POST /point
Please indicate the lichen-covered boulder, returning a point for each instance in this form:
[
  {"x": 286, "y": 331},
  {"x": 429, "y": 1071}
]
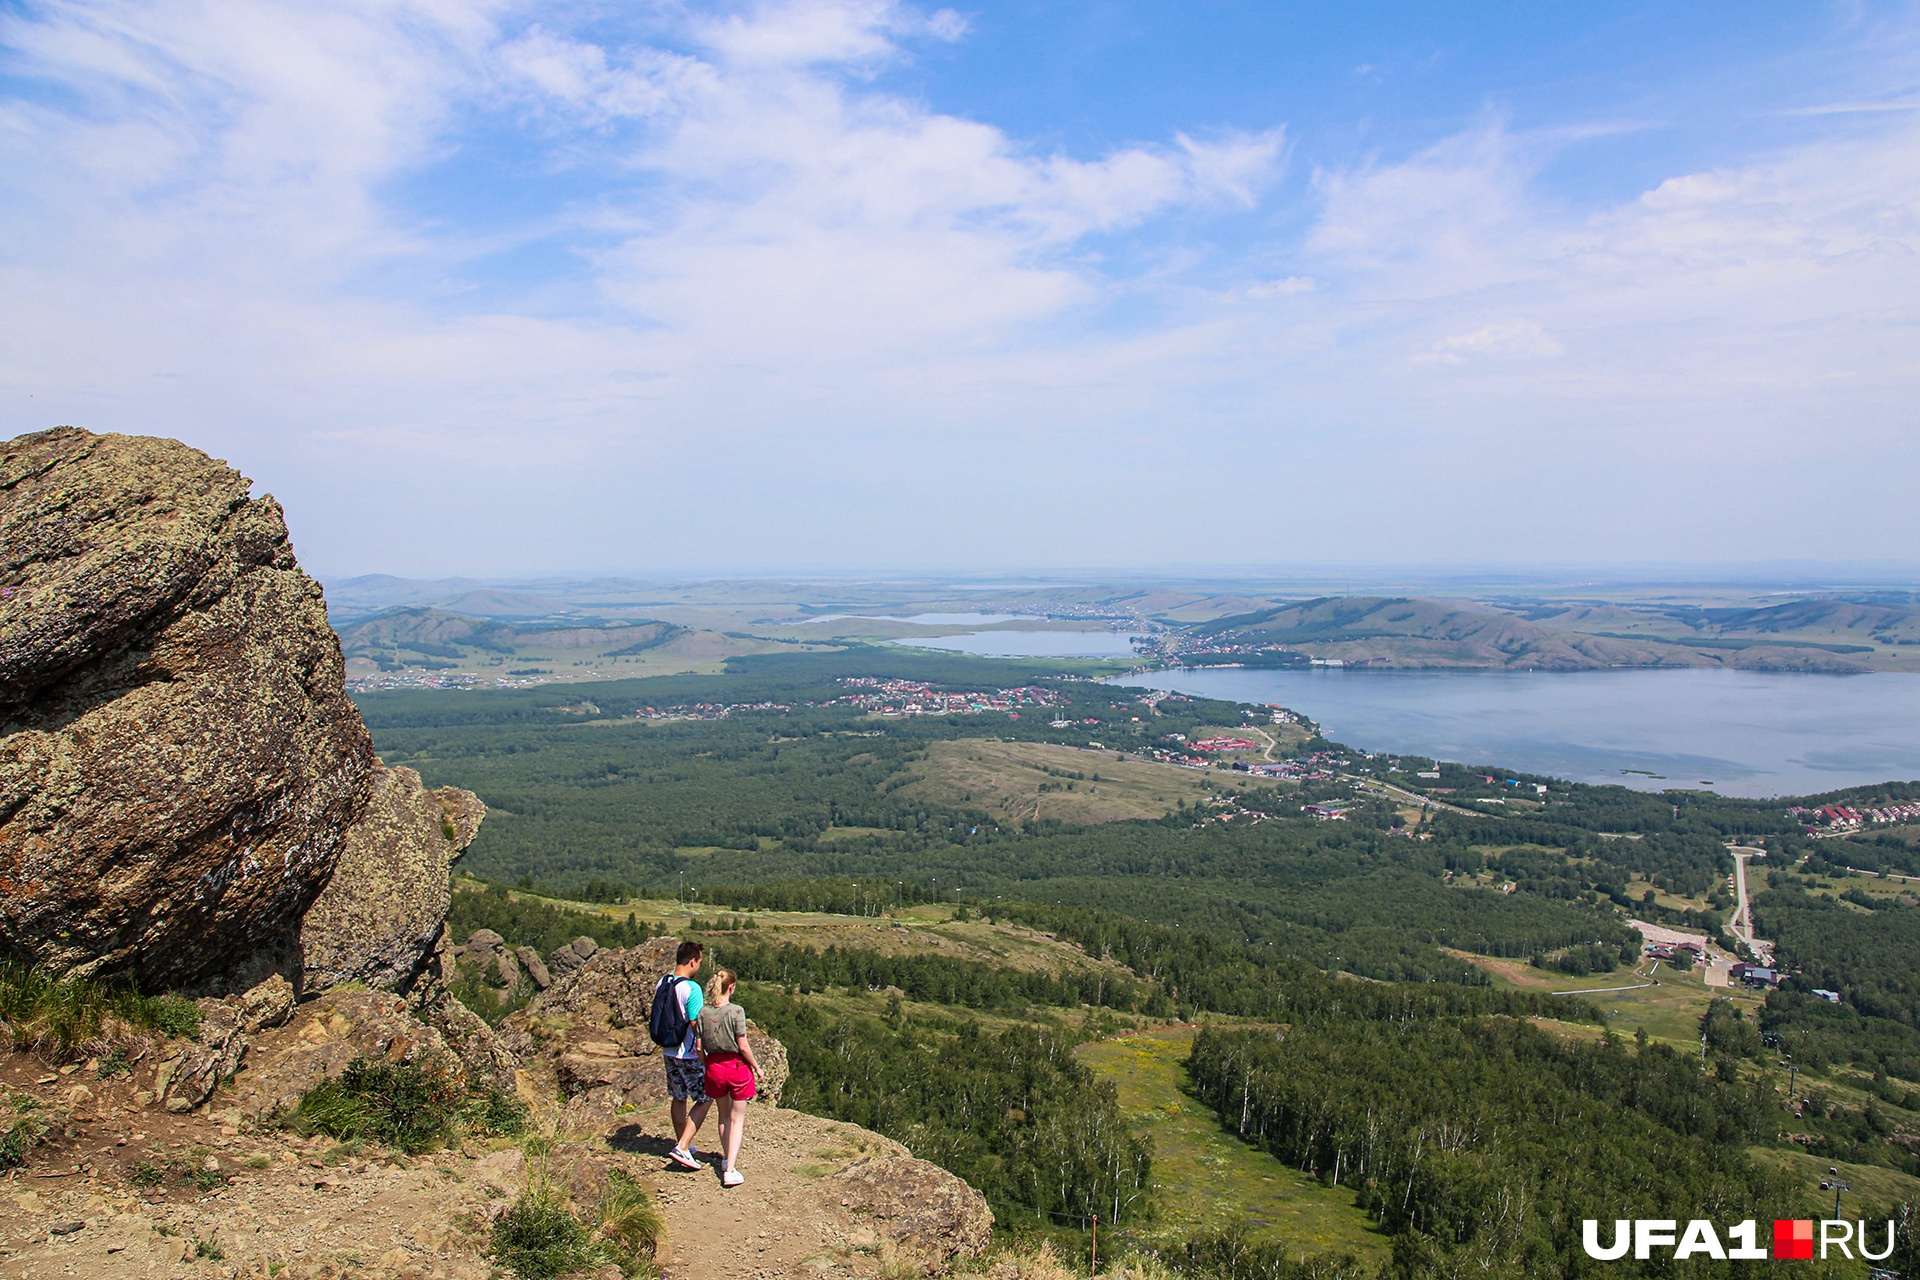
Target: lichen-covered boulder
[
  {"x": 378, "y": 920},
  {"x": 536, "y": 969},
  {"x": 917, "y": 1205},
  {"x": 179, "y": 762},
  {"x": 569, "y": 958}
]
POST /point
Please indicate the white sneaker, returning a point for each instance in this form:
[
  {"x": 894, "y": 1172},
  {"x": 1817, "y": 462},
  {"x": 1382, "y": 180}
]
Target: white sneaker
[
  {"x": 731, "y": 1178},
  {"x": 682, "y": 1158}
]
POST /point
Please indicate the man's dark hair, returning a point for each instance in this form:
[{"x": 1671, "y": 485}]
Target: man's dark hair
[{"x": 688, "y": 951}]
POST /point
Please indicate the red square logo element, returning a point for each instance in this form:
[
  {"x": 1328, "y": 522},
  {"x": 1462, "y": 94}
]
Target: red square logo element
[{"x": 1792, "y": 1238}]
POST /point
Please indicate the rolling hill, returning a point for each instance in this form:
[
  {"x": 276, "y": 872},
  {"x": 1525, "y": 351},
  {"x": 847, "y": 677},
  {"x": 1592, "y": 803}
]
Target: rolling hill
[
  {"x": 438, "y": 639},
  {"x": 1406, "y": 631}
]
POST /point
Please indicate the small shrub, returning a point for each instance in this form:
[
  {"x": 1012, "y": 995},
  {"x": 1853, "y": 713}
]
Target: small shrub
[
  {"x": 536, "y": 1239},
  {"x": 411, "y": 1106},
  {"x": 174, "y": 1016},
  {"x": 145, "y": 1174},
  {"x": 492, "y": 1110},
  {"x": 20, "y": 1139},
  {"x": 114, "y": 1062}
]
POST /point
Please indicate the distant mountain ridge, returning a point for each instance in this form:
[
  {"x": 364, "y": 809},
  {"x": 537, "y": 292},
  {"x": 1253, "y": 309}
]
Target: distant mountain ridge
[
  {"x": 1407, "y": 631},
  {"x": 440, "y": 633}
]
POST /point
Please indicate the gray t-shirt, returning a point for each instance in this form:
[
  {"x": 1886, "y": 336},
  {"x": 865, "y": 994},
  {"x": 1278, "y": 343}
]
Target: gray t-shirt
[{"x": 721, "y": 1026}]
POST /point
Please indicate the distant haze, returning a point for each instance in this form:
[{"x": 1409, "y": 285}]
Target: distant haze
[{"x": 503, "y": 288}]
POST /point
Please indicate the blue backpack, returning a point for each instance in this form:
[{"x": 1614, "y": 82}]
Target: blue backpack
[{"x": 668, "y": 1022}]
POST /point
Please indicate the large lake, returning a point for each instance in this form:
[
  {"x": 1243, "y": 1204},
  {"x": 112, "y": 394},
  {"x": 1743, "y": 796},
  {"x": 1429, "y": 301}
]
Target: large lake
[{"x": 1736, "y": 732}]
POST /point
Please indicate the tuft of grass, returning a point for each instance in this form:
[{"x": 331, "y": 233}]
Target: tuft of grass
[
  {"x": 54, "y": 1015},
  {"x": 628, "y": 1217},
  {"x": 410, "y": 1106},
  {"x": 145, "y": 1174},
  {"x": 406, "y": 1105},
  {"x": 536, "y": 1237},
  {"x": 208, "y": 1248}
]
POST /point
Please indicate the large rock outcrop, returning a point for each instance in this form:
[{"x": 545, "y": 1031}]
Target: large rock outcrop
[
  {"x": 179, "y": 762},
  {"x": 186, "y": 793},
  {"x": 379, "y": 919}
]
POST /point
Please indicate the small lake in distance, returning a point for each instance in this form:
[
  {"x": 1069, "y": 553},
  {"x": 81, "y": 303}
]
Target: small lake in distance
[
  {"x": 1029, "y": 644},
  {"x": 1744, "y": 733},
  {"x": 924, "y": 619}
]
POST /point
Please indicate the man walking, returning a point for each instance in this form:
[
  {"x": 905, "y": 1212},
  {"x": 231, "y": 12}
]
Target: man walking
[{"x": 677, "y": 1000}]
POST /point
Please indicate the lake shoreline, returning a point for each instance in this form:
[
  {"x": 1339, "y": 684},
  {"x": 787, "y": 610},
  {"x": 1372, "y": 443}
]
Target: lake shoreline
[{"x": 1746, "y": 733}]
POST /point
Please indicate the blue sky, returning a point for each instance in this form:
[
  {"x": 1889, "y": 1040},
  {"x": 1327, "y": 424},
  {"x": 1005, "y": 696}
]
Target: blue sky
[{"x": 485, "y": 287}]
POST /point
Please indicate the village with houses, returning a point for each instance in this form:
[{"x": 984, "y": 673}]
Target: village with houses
[
  {"x": 1838, "y": 819},
  {"x": 884, "y": 698}
]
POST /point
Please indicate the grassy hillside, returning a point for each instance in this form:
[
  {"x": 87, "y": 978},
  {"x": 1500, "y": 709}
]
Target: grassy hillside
[
  {"x": 767, "y": 795},
  {"x": 1033, "y": 781},
  {"x": 419, "y": 640},
  {"x": 1404, "y": 631},
  {"x": 1203, "y": 1174}
]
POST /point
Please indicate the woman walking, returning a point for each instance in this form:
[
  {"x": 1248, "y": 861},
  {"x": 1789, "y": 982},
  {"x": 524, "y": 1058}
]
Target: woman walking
[{"x": 731, "y": 1067}]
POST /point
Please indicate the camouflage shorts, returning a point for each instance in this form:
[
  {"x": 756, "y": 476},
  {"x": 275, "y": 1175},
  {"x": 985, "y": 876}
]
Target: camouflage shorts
[{"x": 686, "y": 1079}]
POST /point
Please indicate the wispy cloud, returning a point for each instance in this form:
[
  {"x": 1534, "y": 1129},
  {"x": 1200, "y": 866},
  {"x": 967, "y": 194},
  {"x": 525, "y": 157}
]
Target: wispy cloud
[{"x": 707, "y": 257}]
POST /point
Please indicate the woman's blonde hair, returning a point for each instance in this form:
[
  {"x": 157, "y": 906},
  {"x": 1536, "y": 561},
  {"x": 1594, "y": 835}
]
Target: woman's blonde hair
[{"x": 720, "y": 983}]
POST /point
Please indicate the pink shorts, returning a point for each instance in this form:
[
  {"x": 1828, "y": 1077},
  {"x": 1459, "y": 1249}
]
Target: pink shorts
[{"x": 728, "y": 1076}]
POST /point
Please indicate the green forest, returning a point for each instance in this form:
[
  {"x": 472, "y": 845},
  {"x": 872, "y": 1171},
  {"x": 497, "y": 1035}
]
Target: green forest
[{"x": 1481, "y": 1144}]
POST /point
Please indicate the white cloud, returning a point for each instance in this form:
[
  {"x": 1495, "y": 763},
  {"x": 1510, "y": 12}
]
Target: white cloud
[
  {"x": 766, "y": 276},
  {"x": 1511, "y": 340},
  {"x": 1282, "y": 287},
  {"x": 1708, "y": 290}
]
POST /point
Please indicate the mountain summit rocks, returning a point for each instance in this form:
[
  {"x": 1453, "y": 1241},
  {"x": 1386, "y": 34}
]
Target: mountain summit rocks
[
  {"x": 181, "y": 771},
  {"x": 179, "y": 762}
]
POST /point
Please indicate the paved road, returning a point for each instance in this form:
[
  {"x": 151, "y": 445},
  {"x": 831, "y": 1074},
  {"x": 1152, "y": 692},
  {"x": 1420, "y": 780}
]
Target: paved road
[
  {"x": 1400, "y": 793},
  {"x": 1595, "y": 991},
  {"x": 1888, "y": 874},
  {"x": 1743, "y": 912}
]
